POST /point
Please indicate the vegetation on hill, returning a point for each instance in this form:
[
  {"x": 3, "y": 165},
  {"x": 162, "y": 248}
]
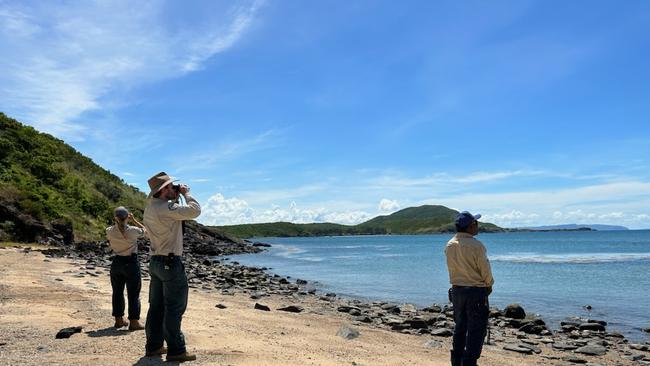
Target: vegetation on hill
[
  {"x": 425, "y": 219},
  {"x": 48, "y": 186}
]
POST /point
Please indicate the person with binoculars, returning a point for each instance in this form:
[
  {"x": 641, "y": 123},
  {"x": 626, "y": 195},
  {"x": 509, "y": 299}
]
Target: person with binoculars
[
  {"x": 125, "y": 267},
  {"x": 168, "y": 288}
]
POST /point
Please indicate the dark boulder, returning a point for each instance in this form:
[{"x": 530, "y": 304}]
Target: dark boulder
[
  {"x": 595, "y": 327},
  {"x": 514, "y": 311},
  {"x": 292, "y": 309},
  {"x": 67, "y": 332},
  {"x": 262, "y": 307}
]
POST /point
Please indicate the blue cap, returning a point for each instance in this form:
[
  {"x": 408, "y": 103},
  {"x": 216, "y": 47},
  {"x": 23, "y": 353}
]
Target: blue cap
[
  {"x": 465, "y": 219},
  {"x": 122, "y": 212}
]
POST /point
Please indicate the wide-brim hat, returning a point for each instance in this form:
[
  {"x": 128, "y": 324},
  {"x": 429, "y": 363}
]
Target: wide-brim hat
[{"x": 158, "y": 182}]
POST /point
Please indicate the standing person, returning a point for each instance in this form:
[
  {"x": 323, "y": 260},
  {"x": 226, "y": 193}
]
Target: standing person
[
  {"x": 168, "y": 288},
  {"x": 125, "y": 268},
  {"x": 471, "y": 279}
]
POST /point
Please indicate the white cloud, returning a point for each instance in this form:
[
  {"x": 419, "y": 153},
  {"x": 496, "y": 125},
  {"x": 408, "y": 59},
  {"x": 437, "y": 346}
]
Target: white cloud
[
  {"x": 388, "y": 206},
  {"x": 60, "y": 61},
  {"x": 230, "y": 211}
]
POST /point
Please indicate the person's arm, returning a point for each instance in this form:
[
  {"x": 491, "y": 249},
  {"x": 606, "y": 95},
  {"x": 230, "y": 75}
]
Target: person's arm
[
  {"x": 485, "y": 269},
  {"x": 185, "y": 212},
  {"x": 137, "y": 223}
]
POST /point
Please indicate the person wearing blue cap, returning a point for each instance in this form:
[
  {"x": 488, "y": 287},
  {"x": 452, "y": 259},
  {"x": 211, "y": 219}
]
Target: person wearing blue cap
[
  {"x": 125, "y": 268},
  {"x": 471, "y": 278}
]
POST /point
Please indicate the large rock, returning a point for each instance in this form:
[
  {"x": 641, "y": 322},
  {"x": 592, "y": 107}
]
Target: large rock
[{"x": 514, "y": 311}]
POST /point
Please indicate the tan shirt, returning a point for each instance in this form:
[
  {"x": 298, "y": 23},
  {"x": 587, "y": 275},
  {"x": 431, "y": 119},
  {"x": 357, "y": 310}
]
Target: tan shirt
[
  {"x": 163, "y": 220},
  {"x": 467, "y": 262},
  {"x": 126, "y": 244}
]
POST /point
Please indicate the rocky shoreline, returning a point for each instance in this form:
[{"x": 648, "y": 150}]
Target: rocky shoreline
[{"x": 582, "y": 341}]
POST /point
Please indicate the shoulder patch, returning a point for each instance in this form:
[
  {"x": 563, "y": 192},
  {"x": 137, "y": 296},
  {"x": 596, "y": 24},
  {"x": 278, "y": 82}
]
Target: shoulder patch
[{"x": 172, "y": 206}]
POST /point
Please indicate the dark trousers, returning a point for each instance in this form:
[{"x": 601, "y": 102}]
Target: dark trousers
[
  {"x": 125, "y": 270},
  {"x": 167, "y": 303},
  {"x": 471, "y": 310}
]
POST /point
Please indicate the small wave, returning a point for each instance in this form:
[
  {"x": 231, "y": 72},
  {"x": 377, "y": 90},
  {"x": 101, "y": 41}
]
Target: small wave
[
  {"x": 391, "y": 255},
  {"x": 347, "y": 257},
  {"x": 287, "y": 250},
  {"x": 310, "y": 259},
  {"x": 585, "y": 258}
]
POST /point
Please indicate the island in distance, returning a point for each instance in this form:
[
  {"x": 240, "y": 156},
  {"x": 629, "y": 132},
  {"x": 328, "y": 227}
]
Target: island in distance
[{"x": 427, "y": 219}]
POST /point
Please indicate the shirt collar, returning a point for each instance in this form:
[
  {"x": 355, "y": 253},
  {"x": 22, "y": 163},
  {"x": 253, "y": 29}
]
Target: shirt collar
[{"x": 464, "y": 235}]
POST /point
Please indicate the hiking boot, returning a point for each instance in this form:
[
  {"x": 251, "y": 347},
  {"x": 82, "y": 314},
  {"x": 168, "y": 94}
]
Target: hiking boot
[
  {"x": 160, "y": 351},
  {"x": 135, "y": 325},
  {"x": 182, "y": 357},
  {"x": 120, "y": 322}
]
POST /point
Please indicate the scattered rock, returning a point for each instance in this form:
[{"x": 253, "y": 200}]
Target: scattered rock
[
  {"x": 259, "y": 306},
  {"x": 517, "y": 348},
  {"x": 595, "y": 327},
  {"x": 432, "y": 343},
  {"x": 639, "y": 347},
  {"x": 220, "y": 306},
  {"x": 442, "y": 332},
  {"x": 574, "y": 359},
  {"x": 647, "y": 330},
  {"x": 514, "y": 311},
  {"x": 67, "y": 332},
  {"x": 347, "y": 309},
  {"x": 564, "y": 346},
  {"x": 292, "y": 309},
  {"x": 347, "y": 332},
  {"x": 592, "y": 350}
]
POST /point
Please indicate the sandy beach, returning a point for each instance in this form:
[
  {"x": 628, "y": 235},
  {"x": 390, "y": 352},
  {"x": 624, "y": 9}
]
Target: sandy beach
[{"x": 39, "y": 296}]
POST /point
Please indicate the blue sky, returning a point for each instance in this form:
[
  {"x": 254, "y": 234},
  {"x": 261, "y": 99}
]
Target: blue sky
[{"x": 530, "y": 112}]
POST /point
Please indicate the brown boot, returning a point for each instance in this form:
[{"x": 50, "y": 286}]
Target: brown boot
[
  {"x": 135, "y": 325},
  {"x": 160, "y": 351},
  {"x": 182, "y": 357},
  {"x": 120, "y": 322}
]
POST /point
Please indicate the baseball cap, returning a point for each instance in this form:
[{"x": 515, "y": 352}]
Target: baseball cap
[
  {"x": 464, "y": 219},
  {"x": 121, "y": 212}
]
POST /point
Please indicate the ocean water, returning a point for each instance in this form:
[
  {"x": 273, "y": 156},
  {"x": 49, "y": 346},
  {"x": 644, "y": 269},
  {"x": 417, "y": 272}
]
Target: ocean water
[{"x": 553, "y": 274}]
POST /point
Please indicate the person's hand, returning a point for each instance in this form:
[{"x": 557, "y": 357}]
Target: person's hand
[
  {"x": 184, "y": 189},
  {"x": 130, "y": 217},
  {"x": 489, "y": 290}
]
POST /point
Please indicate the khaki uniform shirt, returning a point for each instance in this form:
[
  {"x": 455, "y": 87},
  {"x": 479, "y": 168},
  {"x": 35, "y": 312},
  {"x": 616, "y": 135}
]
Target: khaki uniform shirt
[
  {"x": 163, "y": 220},
  {"x": 126, "y": 244},
  {"x": 467, "y": 262}
]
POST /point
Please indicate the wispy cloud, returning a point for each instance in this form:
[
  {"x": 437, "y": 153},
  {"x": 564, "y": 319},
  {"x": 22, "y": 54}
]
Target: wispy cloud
[
  {"x": 230, "y": 148},
  {"x": 61, "y": 61}
]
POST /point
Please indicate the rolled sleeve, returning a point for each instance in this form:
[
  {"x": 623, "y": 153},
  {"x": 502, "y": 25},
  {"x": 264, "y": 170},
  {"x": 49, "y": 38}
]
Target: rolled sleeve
[{"x": 185, "y": 212}]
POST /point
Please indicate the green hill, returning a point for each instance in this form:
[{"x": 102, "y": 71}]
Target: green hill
[
  {"x": 48, "y": 188},
  {"x": 425, "y": 219}
]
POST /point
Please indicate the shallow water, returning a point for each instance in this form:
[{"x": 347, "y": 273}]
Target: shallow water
[{"x": 553, "y": 274}]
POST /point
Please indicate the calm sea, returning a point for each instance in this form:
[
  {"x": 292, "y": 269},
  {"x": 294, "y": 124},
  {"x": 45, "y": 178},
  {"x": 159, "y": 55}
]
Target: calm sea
[{"x": 553, "y": 274}]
